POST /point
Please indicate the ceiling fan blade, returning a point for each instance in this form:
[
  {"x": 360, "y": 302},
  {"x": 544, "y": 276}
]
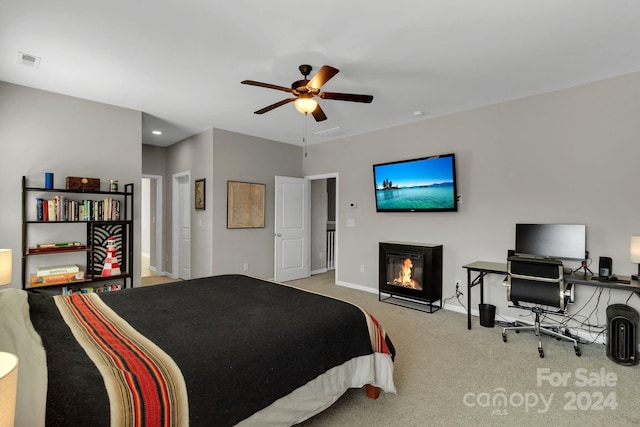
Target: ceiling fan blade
[
  {"x": 318, "y": 114},
  {"x": 276, "y": 105},
  {"x": 322, "y": 76},
  {"x": 346, "y": 97},
  {"x": 267, "y": 85}
]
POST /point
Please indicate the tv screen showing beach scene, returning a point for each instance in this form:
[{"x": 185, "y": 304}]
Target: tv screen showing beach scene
[{"x": 419, "y": 185}]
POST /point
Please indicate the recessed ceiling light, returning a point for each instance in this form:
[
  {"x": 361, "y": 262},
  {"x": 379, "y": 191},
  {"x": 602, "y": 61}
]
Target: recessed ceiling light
[{"x": 156, "y": 132}]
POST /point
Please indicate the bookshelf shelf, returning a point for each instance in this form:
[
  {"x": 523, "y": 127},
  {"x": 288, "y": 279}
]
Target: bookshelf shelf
[
  {"x": 32, "y": 251},
  {"x": 56, "y": 190},
  {"x": 91, "y": 210}
]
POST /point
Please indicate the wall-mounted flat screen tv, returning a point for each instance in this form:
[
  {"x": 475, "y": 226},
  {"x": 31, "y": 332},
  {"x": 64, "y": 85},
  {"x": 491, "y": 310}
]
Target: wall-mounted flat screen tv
[{"x": 427, "y": 184}]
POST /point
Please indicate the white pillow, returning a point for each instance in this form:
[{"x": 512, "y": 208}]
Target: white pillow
[{"x": 18, "y": 336}]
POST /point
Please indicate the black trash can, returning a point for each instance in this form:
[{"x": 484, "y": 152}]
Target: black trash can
[{"x": 487, "y": 315}]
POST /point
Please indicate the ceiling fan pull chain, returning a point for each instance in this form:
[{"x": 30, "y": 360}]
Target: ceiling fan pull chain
[{"x": 304, "y": 135}]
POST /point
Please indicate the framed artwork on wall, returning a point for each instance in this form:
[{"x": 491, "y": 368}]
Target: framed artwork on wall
[
  {"x": 200, "y": 194},
  {"x": 245, "y": 204}
]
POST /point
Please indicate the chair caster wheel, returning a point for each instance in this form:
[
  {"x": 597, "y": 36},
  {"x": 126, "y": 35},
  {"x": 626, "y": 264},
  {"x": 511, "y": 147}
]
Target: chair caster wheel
[
  {"x": 504, "y": 337},
  {"x": 578, "y": 352},
  {"x": 541, "y": 352}
]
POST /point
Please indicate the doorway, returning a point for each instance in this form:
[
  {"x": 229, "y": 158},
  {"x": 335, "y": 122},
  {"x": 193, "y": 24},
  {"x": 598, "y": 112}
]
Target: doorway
[
  {"x": 151, "y": 226},
  {"x": 181, "y": 247},
  {"x": 305, "y": 226},
  {"x": 324, "y": 223}
]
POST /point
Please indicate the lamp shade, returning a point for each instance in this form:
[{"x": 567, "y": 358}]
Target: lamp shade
[
  {"x": 305, "y": 104},
  {"x": 5, "y": 266},
  {"x": 635, "y": 249},
  {"x": 8, "y": 388}
]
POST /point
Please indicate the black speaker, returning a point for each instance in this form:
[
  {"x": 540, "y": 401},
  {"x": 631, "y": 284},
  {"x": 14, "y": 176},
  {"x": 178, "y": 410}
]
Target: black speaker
[
  {"x": 605, "y": 267},
  {"x": 622, "y": 334}
]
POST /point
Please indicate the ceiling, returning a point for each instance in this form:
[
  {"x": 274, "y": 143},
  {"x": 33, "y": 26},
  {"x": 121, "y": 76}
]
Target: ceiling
[{"x": 181, "y": 62}]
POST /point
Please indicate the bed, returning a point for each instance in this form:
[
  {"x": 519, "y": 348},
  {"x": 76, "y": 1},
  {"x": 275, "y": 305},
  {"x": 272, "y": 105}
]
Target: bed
[{"x": 222, "y": 350}]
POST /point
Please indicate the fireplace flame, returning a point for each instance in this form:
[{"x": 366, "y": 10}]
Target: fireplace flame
[{"x": 404, "y": 278}]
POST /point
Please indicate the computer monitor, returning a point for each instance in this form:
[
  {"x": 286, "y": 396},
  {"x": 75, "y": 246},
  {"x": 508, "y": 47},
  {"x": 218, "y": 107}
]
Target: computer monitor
[{"x": 560, "y": 241}]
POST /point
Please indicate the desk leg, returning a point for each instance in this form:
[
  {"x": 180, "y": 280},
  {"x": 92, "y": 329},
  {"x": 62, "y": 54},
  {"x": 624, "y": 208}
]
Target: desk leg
[
  {"x": 480, "y": 279},
  {"x": 468, "y": 299}
]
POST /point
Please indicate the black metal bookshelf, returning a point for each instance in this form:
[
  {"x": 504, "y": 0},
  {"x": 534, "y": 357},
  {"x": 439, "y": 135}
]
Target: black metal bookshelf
[{"x": 96, "y": 231}]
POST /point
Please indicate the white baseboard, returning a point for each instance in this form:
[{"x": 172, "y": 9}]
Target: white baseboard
[
  {"x": 357, "y": 287},
  {"x": 459, "y": 309}
]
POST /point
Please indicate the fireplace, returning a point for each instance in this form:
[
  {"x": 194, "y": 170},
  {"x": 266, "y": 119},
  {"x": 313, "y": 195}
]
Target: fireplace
[{"x": 411, "y": 274}]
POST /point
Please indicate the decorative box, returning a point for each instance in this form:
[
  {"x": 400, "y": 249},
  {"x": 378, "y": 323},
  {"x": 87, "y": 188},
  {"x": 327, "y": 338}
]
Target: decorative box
[{"x": 83, "y": 184}]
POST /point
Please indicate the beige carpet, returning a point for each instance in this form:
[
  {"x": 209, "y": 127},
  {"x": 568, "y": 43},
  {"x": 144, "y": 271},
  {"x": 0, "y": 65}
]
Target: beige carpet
[
  {"x": 156, "y": 280},
  {"x": 149, "y": 277},
  {"x": 447, "y": 375}
]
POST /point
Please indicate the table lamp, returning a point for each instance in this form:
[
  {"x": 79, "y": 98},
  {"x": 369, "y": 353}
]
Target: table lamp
[
  {"x": 635, "y": 255},
  {"x": 8, "y": 388},
  {"x": 5, "y": 266}
]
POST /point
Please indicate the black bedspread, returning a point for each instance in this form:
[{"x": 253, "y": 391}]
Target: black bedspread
[{"x": 240, "y": 342}]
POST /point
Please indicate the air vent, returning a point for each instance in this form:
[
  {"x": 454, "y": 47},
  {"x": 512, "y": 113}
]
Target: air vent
[
  {"x": 336, "y": 131},
  {"x": 28, "y": 60}
]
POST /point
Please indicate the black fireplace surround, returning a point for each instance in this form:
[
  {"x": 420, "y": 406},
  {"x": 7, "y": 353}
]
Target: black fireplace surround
[{"x": 411, "y": 273}]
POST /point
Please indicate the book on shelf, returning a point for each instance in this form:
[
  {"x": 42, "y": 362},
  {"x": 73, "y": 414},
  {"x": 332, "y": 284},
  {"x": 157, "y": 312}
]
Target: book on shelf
[
  {"x": 57, "y": 269},
  {"x": 41, "y": 248},
  {"x": 60, "y": 208},
  {"x": 68, "y": 290},
  {"x": 56, "y": 279},
  {"x": 58, "y": 244}
]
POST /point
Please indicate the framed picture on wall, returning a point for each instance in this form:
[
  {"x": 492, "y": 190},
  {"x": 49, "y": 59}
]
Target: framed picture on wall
[
  {"x": 245, "y": 204},
  {"x": 200, "y": 194}
]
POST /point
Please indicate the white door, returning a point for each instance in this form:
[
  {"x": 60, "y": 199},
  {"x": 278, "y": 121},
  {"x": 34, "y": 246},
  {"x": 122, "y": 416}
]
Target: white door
[
  {"x": 292, "y": 228},
  {"x": 182, "y": 226}
]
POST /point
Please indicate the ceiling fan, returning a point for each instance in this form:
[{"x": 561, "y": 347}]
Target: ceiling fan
[{"x": 305, "y": 90}]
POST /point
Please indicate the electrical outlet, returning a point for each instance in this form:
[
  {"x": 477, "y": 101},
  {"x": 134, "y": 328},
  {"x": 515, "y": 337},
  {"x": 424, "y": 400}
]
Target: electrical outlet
[
  {"x": 246, "y": 266},
  {"x": 361, "y": 268},
  {"x": 459, "y": 294}
]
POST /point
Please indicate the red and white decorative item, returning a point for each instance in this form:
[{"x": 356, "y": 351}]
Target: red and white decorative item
[{"x": 111, "y": 266}]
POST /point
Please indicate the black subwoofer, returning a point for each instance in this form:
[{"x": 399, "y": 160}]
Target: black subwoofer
[{"x": 622, "y": 334}]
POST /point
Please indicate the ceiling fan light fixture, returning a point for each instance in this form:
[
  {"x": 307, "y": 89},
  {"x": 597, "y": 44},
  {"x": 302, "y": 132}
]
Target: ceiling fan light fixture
[{"x": 306, "y": 104}]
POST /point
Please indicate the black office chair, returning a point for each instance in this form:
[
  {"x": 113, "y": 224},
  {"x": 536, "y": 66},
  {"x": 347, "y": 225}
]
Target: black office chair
[{"x": 540, "y": 282}]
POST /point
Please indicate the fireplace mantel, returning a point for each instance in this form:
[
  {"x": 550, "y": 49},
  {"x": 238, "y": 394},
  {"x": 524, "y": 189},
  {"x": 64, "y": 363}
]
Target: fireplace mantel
[{"x": 410, "y": 274}]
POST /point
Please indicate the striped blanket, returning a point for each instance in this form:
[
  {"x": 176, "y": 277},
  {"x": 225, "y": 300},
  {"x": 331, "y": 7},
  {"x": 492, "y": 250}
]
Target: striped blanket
[{"x": 145, "y": 386}]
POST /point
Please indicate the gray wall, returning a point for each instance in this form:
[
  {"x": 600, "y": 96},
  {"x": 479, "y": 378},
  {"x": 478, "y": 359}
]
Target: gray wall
[
  {"x": 244, "y": 158},
  {"x": 569, "y": 156},
  {"x": 220, "y": 156},
  {"x": 46, "y": 132},
  {"x": 192, "y": 155}
]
